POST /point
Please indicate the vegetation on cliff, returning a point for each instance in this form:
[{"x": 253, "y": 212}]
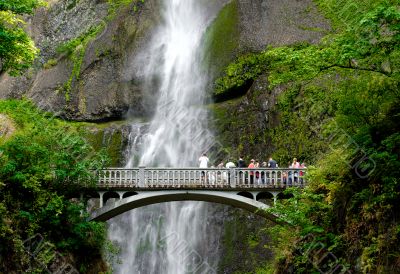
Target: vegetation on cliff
[
  {"x": 221, "y": 38},
  {"x": 42, "y": 166},
  {"x": 339, "y": 109},
  {"x": 17, "y": 50},
  {"x": 75, "y": 48}
]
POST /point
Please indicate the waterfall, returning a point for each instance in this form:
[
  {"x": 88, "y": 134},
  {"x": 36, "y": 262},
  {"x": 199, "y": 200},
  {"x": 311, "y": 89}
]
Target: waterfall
[
  {"x": 178, "y": 131},
  {"x": 168, "y": 238}
]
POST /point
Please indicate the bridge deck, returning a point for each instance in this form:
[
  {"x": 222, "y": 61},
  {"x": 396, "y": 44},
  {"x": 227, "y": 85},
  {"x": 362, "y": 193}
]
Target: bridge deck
[
  {"x": 197, "y": 178},
  {"x": 136, "y": 187}
]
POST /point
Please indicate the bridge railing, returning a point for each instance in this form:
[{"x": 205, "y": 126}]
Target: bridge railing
[
  {"x": 152, "y": 178},
  {"x": 118, "y": 177}
]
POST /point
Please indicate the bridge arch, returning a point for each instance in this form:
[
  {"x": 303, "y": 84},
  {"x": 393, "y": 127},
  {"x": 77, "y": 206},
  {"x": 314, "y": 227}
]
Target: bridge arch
[
  {"x": 246, "y": 194},
  {"x": 129, "y": 194},
  {"x": 110, "y": 195},
  {"x": 282, "y": 196},
  {"x": 266, "y": 197},
  {"x": 153, "y": 197}
]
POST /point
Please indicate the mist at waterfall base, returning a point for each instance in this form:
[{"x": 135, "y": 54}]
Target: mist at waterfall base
[{"x": 172, "y": 238}]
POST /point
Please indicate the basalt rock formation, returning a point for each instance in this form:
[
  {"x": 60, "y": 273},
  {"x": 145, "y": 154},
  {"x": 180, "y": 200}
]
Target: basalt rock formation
[
  {"x": 86, "y": 70},
  {"x": 86, "y": 47}
]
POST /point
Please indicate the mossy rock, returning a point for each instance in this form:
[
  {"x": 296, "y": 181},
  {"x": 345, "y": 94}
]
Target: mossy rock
[
  {"x": 244, "y": 243},
  {"x": 222, "y": 38},
  {"x": 111, "y": 137}
]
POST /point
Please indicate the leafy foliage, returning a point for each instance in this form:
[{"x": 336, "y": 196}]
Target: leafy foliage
[
  {"x": 20, "y": 6},
  {"x": 17, "y": 50},
  {"x": 114, "y": 5},
  {"x": 340, "y": 110},
  {"x": 44, "y": 164},
  {"x": 244, "y": 69}
]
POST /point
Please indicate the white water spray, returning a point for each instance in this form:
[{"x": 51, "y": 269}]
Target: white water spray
[
  {"x": 177, "y": 131},
  {"x": 167, "y": 238}
]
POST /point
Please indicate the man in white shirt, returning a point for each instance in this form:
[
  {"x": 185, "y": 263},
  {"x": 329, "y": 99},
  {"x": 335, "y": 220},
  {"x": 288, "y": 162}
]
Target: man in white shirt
[{"x": 204, "y": 161}]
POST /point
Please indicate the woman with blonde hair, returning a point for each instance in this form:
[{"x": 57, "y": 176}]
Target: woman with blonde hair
[{"x": 295, "y": 164}]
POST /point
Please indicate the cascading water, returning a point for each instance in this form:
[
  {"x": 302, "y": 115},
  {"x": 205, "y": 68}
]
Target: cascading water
[
  {"x": 167, "y": 238},
  {"x": 179, "y": 116}
]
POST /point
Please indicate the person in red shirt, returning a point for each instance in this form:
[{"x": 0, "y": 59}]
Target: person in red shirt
[
  {"x": 303, "y": 166},
  {"x": 252, "y": 165},
  {"x": 257, "y": 166}
]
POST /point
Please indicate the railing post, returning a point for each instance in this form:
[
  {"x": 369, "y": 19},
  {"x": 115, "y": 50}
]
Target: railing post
[
  {"x": 232, "y": 177},
  {"x": 142, "y": 179}
]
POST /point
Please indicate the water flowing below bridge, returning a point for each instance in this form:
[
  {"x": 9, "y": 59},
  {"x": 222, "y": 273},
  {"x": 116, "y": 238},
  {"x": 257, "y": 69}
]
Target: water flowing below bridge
[{"x": 243, "y": 188}]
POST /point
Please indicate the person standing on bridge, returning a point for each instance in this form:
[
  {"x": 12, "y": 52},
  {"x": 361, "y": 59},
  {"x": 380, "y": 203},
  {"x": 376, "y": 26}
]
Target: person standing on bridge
[
  {"x": 263, "y": 175},
  {"x": 228, "y": 175},
  {"x": 272, "y": 163},
  {"x": 241, "y": 163},
  {"x": 257, "y": 165},
  {"x": 295, "y": 164},
  {"x": 203, "y": 160},
  {"x": 252, "y": 166},
  {"x": 301, "y": 173},
  {"x": 230, "y": 164}
]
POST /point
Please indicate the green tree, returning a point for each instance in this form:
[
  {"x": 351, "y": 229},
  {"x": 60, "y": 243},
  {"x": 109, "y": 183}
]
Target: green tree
[
  {"x": 340, "y": 110},
  {"x": 17, "y": 50},
  {"x": 42, "y": 166}
]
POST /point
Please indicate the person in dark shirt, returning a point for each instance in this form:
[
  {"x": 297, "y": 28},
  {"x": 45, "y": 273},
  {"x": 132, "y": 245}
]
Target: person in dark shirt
[
  {"x": 272, "y": 163},
  {"x": 241, "y": 163}
]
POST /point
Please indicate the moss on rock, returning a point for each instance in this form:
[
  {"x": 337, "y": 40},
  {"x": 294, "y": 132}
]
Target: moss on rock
[
  {"x": 111, "y": 137},
  {"x": 244, "y": 244},
  {"x": 222, "y": 38},
  {"x": 245, "y": 125}
]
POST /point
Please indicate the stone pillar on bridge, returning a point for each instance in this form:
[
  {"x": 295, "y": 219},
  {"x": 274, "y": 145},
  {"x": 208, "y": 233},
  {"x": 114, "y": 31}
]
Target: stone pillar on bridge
[
  {"x": 275, "y": 194},
  {"x": 101, "y": 194}
]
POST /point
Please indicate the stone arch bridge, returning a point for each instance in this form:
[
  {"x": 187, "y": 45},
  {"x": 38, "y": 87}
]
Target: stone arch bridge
[{"x": 121, "y": 189}]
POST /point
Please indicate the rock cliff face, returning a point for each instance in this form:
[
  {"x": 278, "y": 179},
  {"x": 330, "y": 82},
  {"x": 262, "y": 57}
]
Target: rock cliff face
[
  {"x": 86, "y": 72},
  {"x": 242, "y": 121},
  {"x": 118, "y": 139},
  {"x": 90, "y": 79},
  {"x": 245, "y": 26},
  {"x": 278, "y": 22}
]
